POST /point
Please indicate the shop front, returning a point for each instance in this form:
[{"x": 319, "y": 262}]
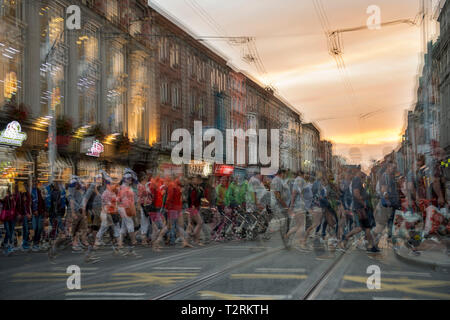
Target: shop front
[
  {"x": 240, "y": 173},
  {"x": 64, "y": 168},
  {"x": 167, "y": 170},
  {"x": 16, "y": 166},
  {"x": 202, "y": 168},
  {"x": 88, "y": 169},
  {"x": 223, "y": 170}
]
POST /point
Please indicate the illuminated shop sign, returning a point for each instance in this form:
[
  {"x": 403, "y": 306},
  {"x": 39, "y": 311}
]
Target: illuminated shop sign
[
  {"x": 224, "y": 170},
  {"x": 96, "y": 149},
  {"x": 200, "y": 168},
  {"x": 13, "y": 135}
]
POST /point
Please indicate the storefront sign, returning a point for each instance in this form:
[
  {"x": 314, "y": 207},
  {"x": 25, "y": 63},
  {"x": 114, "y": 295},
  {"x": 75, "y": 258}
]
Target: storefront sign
[
  {"x": 200, "y": 168},
  {"x": 13, "y": 135},
  {"x": 223, "y": 170},
  {"x": 168, "y": 170},
  {"x": 96, "y": 149}
]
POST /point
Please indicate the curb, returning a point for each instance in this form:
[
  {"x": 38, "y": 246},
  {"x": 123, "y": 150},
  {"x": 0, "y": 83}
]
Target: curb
[{"x": 413, "y": 261}]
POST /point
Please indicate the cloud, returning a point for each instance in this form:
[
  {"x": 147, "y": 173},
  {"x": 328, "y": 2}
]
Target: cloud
[{"x": 381, "y": 65}]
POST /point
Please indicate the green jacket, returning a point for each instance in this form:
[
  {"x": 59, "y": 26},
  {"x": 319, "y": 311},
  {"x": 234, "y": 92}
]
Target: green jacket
[
  {"x": 231, "y": 196},
  {"x": 242, "y": 192}
]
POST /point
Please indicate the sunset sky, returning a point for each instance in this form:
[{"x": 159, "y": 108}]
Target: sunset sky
[{"x": 382, "y": 65}]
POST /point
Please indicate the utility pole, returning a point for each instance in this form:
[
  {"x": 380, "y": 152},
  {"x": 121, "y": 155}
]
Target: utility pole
[{"x": 51, "y": 110}]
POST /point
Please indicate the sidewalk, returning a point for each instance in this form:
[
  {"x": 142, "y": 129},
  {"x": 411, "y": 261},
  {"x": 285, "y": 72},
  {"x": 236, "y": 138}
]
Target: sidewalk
[{"x": 432, "y": 255}]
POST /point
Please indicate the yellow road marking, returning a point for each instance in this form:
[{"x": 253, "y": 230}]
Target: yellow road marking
[
  {"x": 153, "y": 274},
  {"x": 267, "y": 276},
  {"x": 225, "y": 296},
  {"x": 39, "y": 274},
  {"x": 122, "y": 280},
  {"x": 402, "y": 285},
  {"x": 37, "y": 280},
  {"x": 39, "y": 277},
  {"x": 142, "y": 279}
]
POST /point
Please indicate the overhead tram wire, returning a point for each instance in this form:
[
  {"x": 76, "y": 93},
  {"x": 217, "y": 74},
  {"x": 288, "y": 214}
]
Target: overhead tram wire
[
  {"x": 206, "y": 16},
  {"x": 335, "y": 43},
  {"x": 363, "y": 116},
  {"x": 215, "y": 26},
  {"x": 334, "y": 48},
  {"x": 250, "y": 41}
]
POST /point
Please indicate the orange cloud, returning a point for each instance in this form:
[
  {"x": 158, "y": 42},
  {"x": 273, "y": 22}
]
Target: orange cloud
[{"x": 373, "y": 137}]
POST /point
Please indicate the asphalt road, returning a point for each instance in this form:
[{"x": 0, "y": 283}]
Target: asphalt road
[{"x": 225, "y": 271}]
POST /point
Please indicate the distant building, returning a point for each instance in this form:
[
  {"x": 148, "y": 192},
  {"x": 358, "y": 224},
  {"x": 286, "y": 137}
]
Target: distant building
[
  {"x": 325, "y": 155},
  {"x": 441, "y": 53},
  {"x": 310, "y": 148}
]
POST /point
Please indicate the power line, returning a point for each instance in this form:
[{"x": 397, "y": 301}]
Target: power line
[
  {"x": 364, "y": 115},
  {"x": 205, "y": 16},
  {"x": 334, "y": 44}
]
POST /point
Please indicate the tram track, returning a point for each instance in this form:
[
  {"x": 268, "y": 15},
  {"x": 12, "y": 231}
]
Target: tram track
[
  {"x": 215, "y": 275},
  {"x": 313, "y": 290}
]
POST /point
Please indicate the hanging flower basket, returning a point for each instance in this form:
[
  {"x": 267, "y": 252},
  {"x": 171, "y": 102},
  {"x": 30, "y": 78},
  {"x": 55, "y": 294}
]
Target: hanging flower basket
[
  {"x": 123, "y": 144},
  {"x": 16, "y": 112},
  {"x": 63, "y": 141},
  {"x": 97, "y": 132},
  {"x": 64, "y": 127}
]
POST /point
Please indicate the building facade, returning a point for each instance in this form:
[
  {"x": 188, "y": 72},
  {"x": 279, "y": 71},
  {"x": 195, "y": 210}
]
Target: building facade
[
  {"x": 128, "y": 78},
  {"x": 310, "y": 148},
  {"x": 441, "y": 55},
  {"x": 325, "y": 156}
]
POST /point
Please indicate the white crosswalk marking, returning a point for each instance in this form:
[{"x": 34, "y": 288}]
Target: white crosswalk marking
[{"x": 407, "y": 273}]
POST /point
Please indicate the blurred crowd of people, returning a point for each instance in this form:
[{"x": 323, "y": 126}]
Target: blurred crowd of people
[{"x": 153, "y": 211}]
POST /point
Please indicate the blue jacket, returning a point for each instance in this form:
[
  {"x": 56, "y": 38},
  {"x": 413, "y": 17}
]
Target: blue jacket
[{"x": 48, "y": 197}]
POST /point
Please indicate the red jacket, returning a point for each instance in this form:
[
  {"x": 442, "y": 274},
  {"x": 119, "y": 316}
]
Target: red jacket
[
  {"x": 158, "y": 189},
  {"x": 174, "y": 198}
]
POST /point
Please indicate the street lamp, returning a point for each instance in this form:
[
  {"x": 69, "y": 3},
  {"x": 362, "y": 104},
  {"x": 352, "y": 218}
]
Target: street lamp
[{"x": 51, "y": 109}]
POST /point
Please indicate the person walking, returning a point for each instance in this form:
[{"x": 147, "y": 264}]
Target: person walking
[
  {"x": 297, "y": 211},
  {"x": 110, "y": 216},
  {"x": 8, "y": 215},
  {"x": 38, "y": 213},
  {"x": 194, "y": 201},
  {"x": 56, "y": 211},
  {"x": 174, "y": 206},
  {"x": 127, "y": 211},
  {"x": 92, "y": 205},
  {"x": 23, "y": 211},
  {"x": 79, "y": 220},
  {"x": 360, "y": 205},
  {"x": 145, "y": 203}
]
